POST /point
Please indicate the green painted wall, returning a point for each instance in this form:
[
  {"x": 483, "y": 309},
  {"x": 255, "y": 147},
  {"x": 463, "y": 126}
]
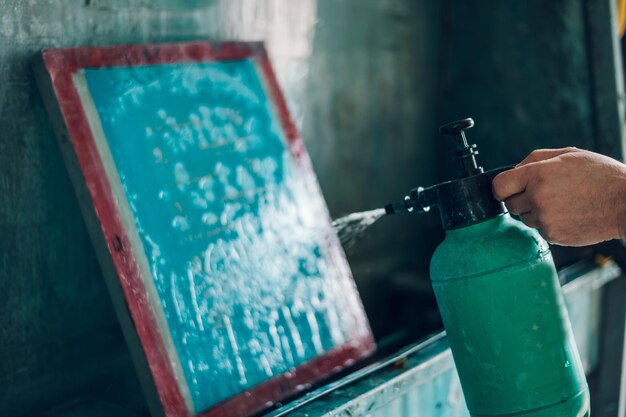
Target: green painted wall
[
  {"x": 533, "y": 74},
  {"x": 524, "y": 76}
]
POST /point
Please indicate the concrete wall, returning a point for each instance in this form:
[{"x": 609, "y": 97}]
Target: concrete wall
[{"x": 358, "y": 75}]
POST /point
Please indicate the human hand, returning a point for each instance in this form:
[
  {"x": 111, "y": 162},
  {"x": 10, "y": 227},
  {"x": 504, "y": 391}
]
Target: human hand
[{"x": 574, "y": 197}]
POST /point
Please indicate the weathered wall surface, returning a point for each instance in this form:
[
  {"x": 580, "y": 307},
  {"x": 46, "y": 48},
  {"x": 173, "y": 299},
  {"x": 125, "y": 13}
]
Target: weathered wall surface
[
  {"x": 533, "y": 74},
  {"x": 371, "y": 129},
  {"x": 357, "y": 75}
]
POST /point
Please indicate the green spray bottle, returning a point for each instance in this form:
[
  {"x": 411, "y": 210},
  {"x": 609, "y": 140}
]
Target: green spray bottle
[{"x": 500, "y": 300}]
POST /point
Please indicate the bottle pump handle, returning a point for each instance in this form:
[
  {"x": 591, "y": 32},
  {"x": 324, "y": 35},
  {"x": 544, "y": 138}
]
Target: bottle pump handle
[{"x": 464, "y": 153}]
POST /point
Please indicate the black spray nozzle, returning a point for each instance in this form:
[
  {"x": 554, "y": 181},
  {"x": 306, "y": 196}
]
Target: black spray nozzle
[
  {"x": 461, "y": 201},
  {"x": 464, "y": 153},
  {"x": 420, "y": 199},
  {"x": 399, "y": 206}
]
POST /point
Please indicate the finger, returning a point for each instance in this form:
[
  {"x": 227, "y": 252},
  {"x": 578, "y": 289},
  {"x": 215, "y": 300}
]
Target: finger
[
  {"x": 543, "y": 154},
  {"x": 509, "y": 183},
  {"x": 519, "y": 203},
  {"x": 530, "y": 219}
]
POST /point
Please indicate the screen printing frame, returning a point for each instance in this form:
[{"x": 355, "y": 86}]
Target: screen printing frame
[{"x": 114, "y": 243}]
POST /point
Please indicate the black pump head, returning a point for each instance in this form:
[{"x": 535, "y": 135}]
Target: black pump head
[
  {"x": 461, "y": 201},
  {"x": 465, "y": 154}
]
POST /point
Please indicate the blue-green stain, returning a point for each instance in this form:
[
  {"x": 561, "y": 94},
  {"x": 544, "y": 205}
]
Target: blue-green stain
[{"x": 234, "y": 236}]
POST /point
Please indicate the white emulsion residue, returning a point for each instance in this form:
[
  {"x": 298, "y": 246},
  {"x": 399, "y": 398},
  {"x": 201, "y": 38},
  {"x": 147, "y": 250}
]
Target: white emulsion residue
[
  {"x": 263, "y": 294},
  {"x": 237, "y": 237}
]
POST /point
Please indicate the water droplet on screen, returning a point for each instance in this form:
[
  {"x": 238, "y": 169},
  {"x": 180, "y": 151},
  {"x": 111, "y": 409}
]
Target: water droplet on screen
[
  {"x": 180, "y": 223},
  {"x": 209, "y": 219}
]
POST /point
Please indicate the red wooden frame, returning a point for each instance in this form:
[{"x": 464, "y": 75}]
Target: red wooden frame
[{"x": 60, "y": 64}]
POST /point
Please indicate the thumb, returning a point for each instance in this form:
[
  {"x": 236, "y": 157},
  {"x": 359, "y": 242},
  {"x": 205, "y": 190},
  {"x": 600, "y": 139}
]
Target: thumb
[{"x": 509, "y": 183}]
